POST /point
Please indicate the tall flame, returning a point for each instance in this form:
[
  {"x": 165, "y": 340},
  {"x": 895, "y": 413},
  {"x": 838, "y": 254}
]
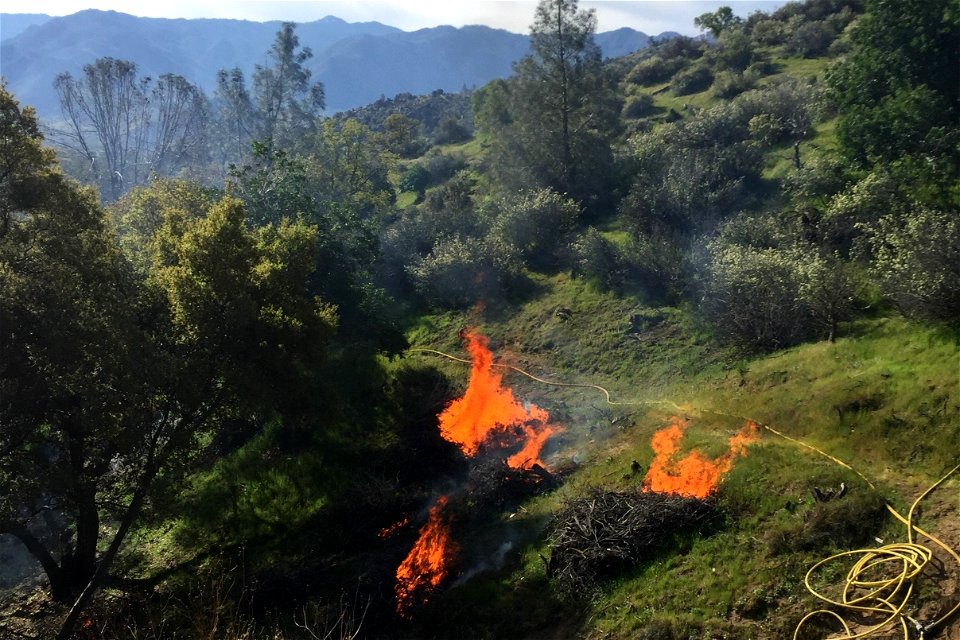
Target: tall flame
[
  {"x": 693, "y": 475},
  {"x": 428, "y": 562},
  {"x": 488, "y": 410}
]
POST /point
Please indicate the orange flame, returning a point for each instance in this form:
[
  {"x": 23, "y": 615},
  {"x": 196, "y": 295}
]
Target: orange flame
[
  {"x": 386, "y": 532},
  {"x": 488, "y": 410},
  {"x": 427, "y": 564},
  {"x": 693, "y": 475}
]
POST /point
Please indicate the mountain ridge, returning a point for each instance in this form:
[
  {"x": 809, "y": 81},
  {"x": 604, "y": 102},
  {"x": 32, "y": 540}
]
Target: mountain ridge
[{"x": 357, "y": 62}]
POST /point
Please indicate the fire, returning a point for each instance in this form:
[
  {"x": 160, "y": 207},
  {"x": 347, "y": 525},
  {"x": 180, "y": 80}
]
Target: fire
[
  {"x": 488, "y": 415},
  {"x": 487, "y": 410},
  {"x": 693, "y": 475},
  {"x": 386, "y": 532},
  {"x": 428, "y": 562}
]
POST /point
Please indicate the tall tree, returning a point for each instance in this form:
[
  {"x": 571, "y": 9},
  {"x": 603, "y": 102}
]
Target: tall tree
[
  {"x": 236, "y": 118},
  {"x": 287, "y": 102},
  {"x": 124, "y": 128},
  {"x": 111, "y": 377},
  {"x": 563, "y": 104}
]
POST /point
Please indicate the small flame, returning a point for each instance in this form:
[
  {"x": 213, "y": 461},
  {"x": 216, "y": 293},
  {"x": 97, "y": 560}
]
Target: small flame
[
  {"x": 693, "y": 475},
  {"x": 428, "y": 562},
  {"x": 386, "y": 532},
  {"x": 488, "y": 410}
]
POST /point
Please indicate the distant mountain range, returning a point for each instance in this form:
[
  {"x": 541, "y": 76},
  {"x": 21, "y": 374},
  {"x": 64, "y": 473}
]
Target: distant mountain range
[{"x": 357, "y": 62}]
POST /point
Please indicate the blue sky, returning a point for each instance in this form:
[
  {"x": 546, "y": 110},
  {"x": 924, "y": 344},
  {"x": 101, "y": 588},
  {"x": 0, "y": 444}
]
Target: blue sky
[{"x": 650, "y": 16}]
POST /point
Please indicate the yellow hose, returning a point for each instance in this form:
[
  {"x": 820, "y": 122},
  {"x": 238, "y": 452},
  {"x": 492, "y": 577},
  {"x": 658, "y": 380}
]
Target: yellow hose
[{"x": 884, "y": 596}]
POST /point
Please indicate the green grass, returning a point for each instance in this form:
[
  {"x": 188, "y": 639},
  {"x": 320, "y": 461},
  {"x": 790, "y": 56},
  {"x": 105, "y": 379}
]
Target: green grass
[{"x": 884, "y": 398}]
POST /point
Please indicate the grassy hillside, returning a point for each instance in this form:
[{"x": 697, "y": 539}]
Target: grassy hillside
[{"x": 885, "y": 399}]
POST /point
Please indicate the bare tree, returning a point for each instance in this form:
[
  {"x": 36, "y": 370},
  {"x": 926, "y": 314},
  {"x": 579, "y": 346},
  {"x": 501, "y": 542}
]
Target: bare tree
[{"x": 125, "y": 130}]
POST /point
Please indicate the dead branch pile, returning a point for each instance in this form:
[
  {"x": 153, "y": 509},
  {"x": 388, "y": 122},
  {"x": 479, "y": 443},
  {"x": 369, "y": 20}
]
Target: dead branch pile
[{"x": 607, "y": 531}]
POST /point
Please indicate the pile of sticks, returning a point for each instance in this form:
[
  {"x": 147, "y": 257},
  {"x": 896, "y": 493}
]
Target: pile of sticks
[{"x": 597, "y": 536}]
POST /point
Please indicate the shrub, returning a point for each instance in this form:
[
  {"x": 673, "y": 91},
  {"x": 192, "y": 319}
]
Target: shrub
[
  {"x": 752, "y": 296},
  {"x": 451, "y": 131},
  {"x": 917, "y": 261},
  {"x": 460, "y": 272},
  {"x": 728, "y": 84},
  {"x": 536, "y": 226},
  {"x": 768, "y": 32},
  {"x": 811, "y": 39},
  {"x": 654, "y": 70},
  {"x": 638, "y": 106},
  {"x": 733, "y": 51},
  {"x": 692, "y": 80},
  {"x": 598, "y": 260},
  {"x": 415, "y": 179},
  {"x": 443, "y": 166}
]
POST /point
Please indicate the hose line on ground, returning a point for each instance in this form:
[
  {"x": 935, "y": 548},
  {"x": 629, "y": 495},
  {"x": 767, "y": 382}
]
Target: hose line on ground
[{"x": 869, "y": 586}]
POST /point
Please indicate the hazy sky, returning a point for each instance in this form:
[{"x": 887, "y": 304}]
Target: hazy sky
[{"x": 649, "y": 16}]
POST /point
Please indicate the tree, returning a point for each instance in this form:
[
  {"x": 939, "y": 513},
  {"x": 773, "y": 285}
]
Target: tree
[
  {"x": 897, "y": 91},
  {"x": 237, "y": 118},
  {"x": 126, "y": 129},
  {"x": 564, "y": 109},
  {"x": 402, "y": 135},
  {"x": 112, "y": 378},
  {"x": 717, "y": 22},
  {"x": 288, "y": 104}
]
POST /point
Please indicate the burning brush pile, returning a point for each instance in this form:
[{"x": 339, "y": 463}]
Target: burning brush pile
[
  {"x": 504, "y": 439},
  {"x": 605, "y": 532}
]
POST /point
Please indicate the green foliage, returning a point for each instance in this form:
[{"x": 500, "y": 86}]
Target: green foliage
[
  {"x": 917, "y": 260},
  {"x": 562, "y": 110},
  {"x": 751, "y": 296},
  {"x": 691, "y": 80},
  {"x": 451, "y": 131},
  {"x": 638, "y": 106},
  {"x": 811, "y": 39},
  {"x": 460, "y": 273},
  {"x": 416, "y": 179},
  {"x": 654, "y": 70},
  {"x": 444, "y": 117},
  {"x": 140, "y": 213},
  {"x": 135, "y": 368},
  {"x": 287, "y": 102},
  {"x": 403, "y": 136},
  {"x": 897, "y": 90},
  {"x": 728, "y": 84},
  {"x": 733, "y": 51},
  {"x": 537, "y": 226},
  {"x": 717, "y": 22}
]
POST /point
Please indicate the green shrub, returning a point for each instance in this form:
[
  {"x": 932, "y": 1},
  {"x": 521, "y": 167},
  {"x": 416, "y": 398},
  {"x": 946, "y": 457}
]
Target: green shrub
[
  {"x": 638, "y": 106},
  {"x": 415, "y": 179},
  {"x": 654, "y": 70},
  {"x": 460, "y": 272},
  {"x": 811, "y": 39},
  {"x": 728, "y": 84},
  {"x": 691, "y": 80},
  {"x": 451, "y": 131},
  {"x": 537, "y": 226},
  {"x": 917, "y": 261},
  {"x": 751, "y": 296},
  {"x": 598, "y": 260}
]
